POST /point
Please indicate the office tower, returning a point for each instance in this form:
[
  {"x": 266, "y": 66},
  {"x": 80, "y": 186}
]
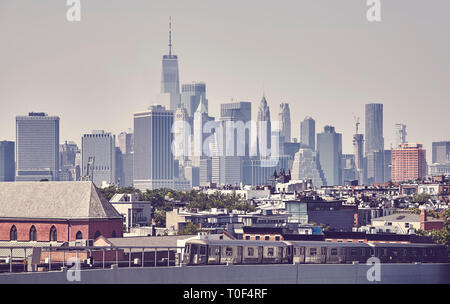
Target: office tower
[
  {"x": 191, "y": 94},
  {"x": 375, "y": 167},
  {"x": 153, "y": 157},
  {"x": 170, "y": 81},
  {"x": 182, "y": 135},
  {"x": 400, "y": 134},
  {"x": 441, "y": 152},
  {"x": 37, "y": 147},
  {"x": 99, "y": 146},
  {"x": 126, "y": 179},
  {"x": 358, "y": 152},
  {"x": 408, "y": 162},
  {"x": 348, "y": 168},
  {"x": 284, "y": 117},
  {"x": 7, "y": 165},
  {"x": 236, "y": 111},
  {"x": 264, "y": 129},
  {"x": 307, "y": 166},
  {"x": 125, "y": 142},
  {"x": 387, "y": 165},
  {"x": 374, "y": 128},
  {"x": 67, "y": 155},
  {"x": 205, "y": 174},
  {"x": 308, "y": 133},
  {"x": 192, "y": 174},
  {"x": 329, "y": 147}
]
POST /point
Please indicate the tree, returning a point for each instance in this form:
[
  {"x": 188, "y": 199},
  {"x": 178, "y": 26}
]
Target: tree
[
  {"x": 421, "y": 198},
  {"x": 189, "y": 229},
  {"x": 160, "y": 218}
]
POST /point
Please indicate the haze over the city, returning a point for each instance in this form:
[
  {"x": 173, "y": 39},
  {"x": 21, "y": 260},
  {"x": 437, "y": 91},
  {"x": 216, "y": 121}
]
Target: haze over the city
[{"x": 321, "y": 56}]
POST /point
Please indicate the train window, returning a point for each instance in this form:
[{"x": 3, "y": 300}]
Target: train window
[
  {"x": 229, "y": 251},
  {"x": 247, "y": 237},
  {"x": 312, "y": 251},
  {"x": 270, "y": 251},
  {"x": 250, "y": 251},
  {"x": 187, "y": 248},
  {"x": 334, "y": 251},
  {"x": 267, "y": 238},
  {"x": 288, "y": 251},
  {"x": 323, "y": 250},
  {"x": 194, "y": 249},
  {"x": 202, "y": 249},
  {"x": 258, "y": 237},
  {"x": 372, "y": 251},
  {"x": 277, "y": 238}
]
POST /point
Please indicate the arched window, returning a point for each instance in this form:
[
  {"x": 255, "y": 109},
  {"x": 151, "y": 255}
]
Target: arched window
[
  {"x": 113, "y": 234},
  {"x": 33, "y": 234},
  {"x": 79, "y": 235},
  {"x": 13, "y": 233},
  {"x": 53, "y": 234},
  {"x": 97, "y": 234}
]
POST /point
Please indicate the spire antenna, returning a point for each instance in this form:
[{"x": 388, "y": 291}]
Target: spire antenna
[{"x": 170, "y": 36}]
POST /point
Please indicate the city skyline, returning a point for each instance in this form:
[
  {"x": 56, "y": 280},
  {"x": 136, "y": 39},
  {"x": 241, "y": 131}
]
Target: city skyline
[{"x": 72, "y": 96}]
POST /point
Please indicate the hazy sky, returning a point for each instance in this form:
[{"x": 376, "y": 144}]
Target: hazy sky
[{"x": 321, "y": 56}]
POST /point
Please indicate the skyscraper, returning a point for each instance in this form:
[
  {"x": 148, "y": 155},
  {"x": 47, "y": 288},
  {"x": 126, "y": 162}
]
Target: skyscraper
[
  {"x": 308, "y": 133},
  {"x": 441, "y": 152},
  {"x": 125, "y": 142},
  {"x": 306, "y": 166},
  {"x": 264, "y": 129},
  {"x": 7, "y": 165},
  {"x": 374, "y": 128},
  {"x": 400, "y": 134},
  {"x": 408, "y": 162},
  {"x": 67, "y": 156},
  {"x": 37, "y": 147},
  {"x": 358, "y": 152},
  {"x": 329, "y": 147},
  {"x": 101, "y": 146},
  {"x": 191, "y": 94},
  {"x": 153, "y": 157},
  {"x": 284, "y": 117},
  {"x": 170, "y": 80}
]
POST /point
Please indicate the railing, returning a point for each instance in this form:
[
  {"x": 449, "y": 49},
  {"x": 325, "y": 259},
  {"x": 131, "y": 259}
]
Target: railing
[{"x": 29, "y": 259}]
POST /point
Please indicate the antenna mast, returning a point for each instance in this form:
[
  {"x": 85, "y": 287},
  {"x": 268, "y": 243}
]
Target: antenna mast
[{"x": 170, "y": 36}]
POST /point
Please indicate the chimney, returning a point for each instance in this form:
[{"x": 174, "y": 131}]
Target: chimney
[{"x": 423, "y": 215}]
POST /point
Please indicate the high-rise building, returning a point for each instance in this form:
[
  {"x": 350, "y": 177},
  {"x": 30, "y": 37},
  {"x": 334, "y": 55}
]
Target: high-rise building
[
  {"x": 264, "y": 129},
  {"x": 408, "y": 162},
  {"x": 191, "y": 94},
  {"x": 306, "y": 166},
  {"x": 284, "y": 117},
  {"x": 400, "y": 134},
  {"x": 67, "y": 155},
  {"x": 358, "y": 152},
  {"x": 441, "y": 152},
  {"x": 387, "y": 165},
  {"x": 374, "y": 128},
  {"x": 329, "y": 147},
  {"x": 348, "y": 168},
  {"x": 7, "y": 165},
  {"x": 99, "y": 146},
  {"x": 375, "y": 167},
  {"x": 308, "y": 133},
  {"x": 37, "y": 147},
  {"x": 125, "y": 142},
  {"x": 153, "y": 157},
  {"x": 170, "y": 80}
]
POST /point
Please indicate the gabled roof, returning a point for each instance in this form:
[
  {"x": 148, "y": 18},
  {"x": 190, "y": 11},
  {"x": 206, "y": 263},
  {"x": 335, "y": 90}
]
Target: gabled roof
[{"x": 54, "y": 200}]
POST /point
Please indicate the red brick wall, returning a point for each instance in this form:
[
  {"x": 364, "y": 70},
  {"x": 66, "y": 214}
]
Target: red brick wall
[{"x": 88, "y": 229}]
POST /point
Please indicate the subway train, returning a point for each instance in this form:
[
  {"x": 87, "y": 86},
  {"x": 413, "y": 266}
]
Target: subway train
[{"x": 220, "y": 252}]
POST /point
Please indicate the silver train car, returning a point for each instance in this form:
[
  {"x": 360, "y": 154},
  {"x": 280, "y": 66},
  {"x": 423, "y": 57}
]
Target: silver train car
[
  {"x": 216, "y": 252},
  {"x": 219, "y": 252}
]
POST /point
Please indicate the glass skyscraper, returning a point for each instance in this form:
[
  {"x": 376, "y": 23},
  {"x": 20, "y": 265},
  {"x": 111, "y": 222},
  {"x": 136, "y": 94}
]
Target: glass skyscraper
[
  {"x": 329, "y": 147},
  {"x": 308, "y": 133},
  {"x": 191, "y": 94},
  {"x": 7, "y": 165},
  {"x": 170, "y": 80},
  {"x": 37, "y": 147}
]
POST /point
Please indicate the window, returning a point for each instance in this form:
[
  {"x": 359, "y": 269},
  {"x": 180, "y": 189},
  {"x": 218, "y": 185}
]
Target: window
[
  {"x": 334, "y": 251},
  {"x": 229, "y": 251},
  {"x": 406, "y": 225},
  {"x": 33, "y": 234},
  {"x": 202, "y": 250},
  {"x": 258, "y": 237},
  {"x": 79, "y": 235},
  {"x": 97, "y": 234},
  {"x": 53, "y": 234},
  {"x": 250, "y": 251},
  {"x": 270, "y": 251},
  {"x": 267, "y": 238},
  {"x": 247, "y": 237},
  {"x": 113, "y": 234},
  {"x": 312, "y": 251},
  {"x": 277, "y": 238},
  {"x": 13, "y": 233}
]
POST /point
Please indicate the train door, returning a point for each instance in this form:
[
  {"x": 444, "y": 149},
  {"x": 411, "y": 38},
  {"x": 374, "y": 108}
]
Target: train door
[
  {"x": 323, "y": 252},
  {"x": 240, "y": 255},
  {"x": 260, "y": 254}
]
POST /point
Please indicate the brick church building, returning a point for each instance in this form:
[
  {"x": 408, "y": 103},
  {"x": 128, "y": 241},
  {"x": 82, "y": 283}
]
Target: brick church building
[{"x": 55, "y": 212}]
